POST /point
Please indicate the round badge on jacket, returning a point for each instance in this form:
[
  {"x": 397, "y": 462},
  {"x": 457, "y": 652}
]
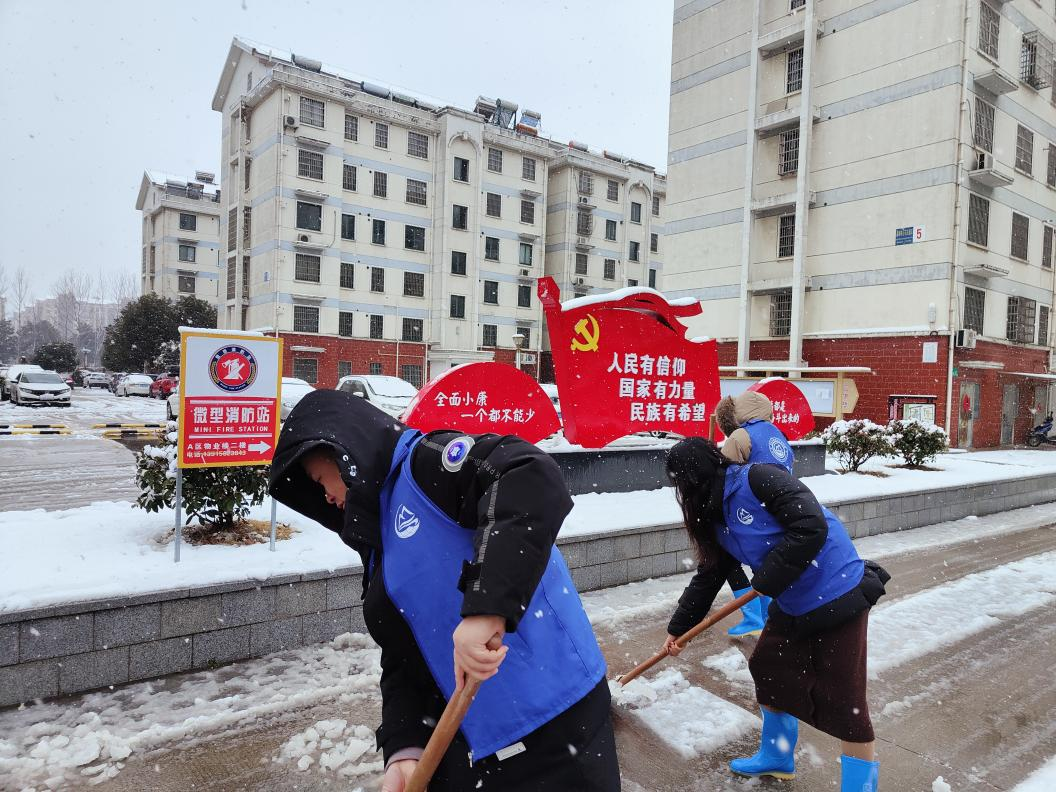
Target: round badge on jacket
[
  {"x": 455, "y": 453},
  {"x": 778, "y": 449}
]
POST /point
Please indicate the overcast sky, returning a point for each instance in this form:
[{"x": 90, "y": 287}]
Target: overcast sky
[{"x": 92, "y": 93}]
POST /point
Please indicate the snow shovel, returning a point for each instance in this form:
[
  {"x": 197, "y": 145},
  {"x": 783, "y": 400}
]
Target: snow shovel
[
  {"x": 683, "y": 640},
  {"x": 444, "y": 733}
]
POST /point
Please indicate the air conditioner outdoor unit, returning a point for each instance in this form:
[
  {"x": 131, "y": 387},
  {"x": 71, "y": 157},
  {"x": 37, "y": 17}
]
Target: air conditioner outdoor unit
[
  {"x": 966, "y": 339},
  {"x": 583, "y": 200},
  {"x": 290, "y": 122},
  {"x": 984, "y": 160},
  {"x": 580, "y": 281},
  {"x": 304, "y": 238},
  {"x": 524, "y": 273}
]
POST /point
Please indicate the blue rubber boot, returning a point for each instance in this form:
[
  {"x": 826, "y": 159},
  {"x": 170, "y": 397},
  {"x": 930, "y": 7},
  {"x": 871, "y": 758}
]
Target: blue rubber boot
[
  {"x": 859, "y": 775},
  {"x": 753, "y": 617},
  {"x": 775, "y": 756}
]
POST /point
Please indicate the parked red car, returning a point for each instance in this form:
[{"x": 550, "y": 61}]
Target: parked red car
[{"x": 163, "y": 386}]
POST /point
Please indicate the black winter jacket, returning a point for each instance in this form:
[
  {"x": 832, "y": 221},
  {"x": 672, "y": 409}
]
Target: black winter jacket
[
  {"x": 508, "y": 492},
  {"x": 806, "y": 529}
]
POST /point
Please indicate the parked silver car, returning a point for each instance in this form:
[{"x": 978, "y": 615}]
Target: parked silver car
[
  {"x": 40, "y": 387},
  {"x": 134, "y": 385},
  {"x": 12, "y": 374}
]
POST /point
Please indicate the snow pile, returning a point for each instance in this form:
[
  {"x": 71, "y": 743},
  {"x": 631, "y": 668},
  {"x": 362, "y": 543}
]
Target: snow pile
[
  {"x": 731, "y": 664},
  {"x": 596, "y": 512},
  {"x": 92, "y": 735},
  {"x": 1041, "y": 780},
  {"x": 609, "y": 608},
  {"x": 912, "y": 627},
  {"x": 689, "y": 719},
  {"x": 938, "y": 785},
  {"x": 332, "y": 745}
]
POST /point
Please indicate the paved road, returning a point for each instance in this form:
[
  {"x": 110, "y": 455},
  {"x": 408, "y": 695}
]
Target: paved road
[{"x": 979, "y": 712}]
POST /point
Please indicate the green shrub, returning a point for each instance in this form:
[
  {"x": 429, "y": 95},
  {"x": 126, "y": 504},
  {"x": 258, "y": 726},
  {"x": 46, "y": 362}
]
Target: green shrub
[
  {"x": 917, "y": 442},
  {"x": 855, "y": 442}
]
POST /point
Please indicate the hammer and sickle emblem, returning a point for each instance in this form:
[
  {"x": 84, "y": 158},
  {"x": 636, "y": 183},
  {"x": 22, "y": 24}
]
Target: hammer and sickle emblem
[{"x": 587, "y": 329}]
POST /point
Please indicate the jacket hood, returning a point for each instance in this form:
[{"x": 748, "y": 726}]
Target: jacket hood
[
  {"x": 362, "y": 438},
  {"x": 752, "y": 406}
]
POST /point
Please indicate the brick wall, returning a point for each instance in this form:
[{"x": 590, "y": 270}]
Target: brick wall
[
  {"x": 509, "y": 357},
  {"x": 361, "y": 352}
]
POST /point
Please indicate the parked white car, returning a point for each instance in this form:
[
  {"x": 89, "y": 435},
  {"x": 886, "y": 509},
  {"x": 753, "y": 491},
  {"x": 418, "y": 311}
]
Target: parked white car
[
  {"x": 391, "y": 394},
  {"x": 134, "y": 385},
  {"x": 12, "y": 374},
  {"x": 293, "y": 390},
  {"x": 97, "y": 379},
  {"x": 40, "y": 387}
]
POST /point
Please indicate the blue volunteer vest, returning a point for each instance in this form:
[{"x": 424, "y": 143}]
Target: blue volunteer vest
[
  {"x": 553, "y": 659},
  {"x": 768, "y": 444},
  {"x": 751, "y": 532}
]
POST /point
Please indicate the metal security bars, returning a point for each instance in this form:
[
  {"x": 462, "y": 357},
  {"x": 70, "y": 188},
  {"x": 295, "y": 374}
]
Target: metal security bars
[
  {"x": 974, "y": 309},
  {"x": 794, "y": 71},
  {"x": 351, "y": 127},
  {"x": 313, "y": 112},
  {"x": 1024, "y": 149},
  {"x": 414, "y": 284},
  {"x": 1036, "y": 60},
  {"x": 348, "y": 178},
  {"x": 417, "y": 145},
  {"x": 306, "y": 268},
  {"x": 984, "y": 126},
  {"x": 305, "y": 319},
  {"x": 978, "y": 220},
  {"x": 310, "y": 164},
  {"x": 781, "y": 314},
  {"x": 416, "y": 192},
  {"x": 989, "y": 30},
  {"x": 1020, "y": 236},
  {"x": 786, "y": 236},
  {"x": 788, "y": 154}
]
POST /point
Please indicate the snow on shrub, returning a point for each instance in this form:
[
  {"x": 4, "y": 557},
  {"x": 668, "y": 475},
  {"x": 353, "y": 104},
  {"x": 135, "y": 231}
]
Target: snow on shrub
[
  {"x": 855, "y": 442},
  {"x": 218, "y": 497},
  {"x": 917, "y": 442}
]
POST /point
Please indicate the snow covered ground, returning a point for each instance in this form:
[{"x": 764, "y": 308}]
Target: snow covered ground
[
  {"x": 88, "y": 407},
  {"x": 1041, "y": 780}
]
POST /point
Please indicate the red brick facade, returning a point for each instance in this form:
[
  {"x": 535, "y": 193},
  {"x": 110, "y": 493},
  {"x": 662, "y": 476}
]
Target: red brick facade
[{"x": 359, "y": 352}]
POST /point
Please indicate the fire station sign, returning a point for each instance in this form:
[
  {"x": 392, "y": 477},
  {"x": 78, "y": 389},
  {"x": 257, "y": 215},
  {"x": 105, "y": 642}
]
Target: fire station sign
[{"x": 229, "y": 398}]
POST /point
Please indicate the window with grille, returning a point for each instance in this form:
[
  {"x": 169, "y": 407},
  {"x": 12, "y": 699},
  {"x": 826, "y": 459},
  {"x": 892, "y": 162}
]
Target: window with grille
[
  {"x": 344, "y": 323},
  {"x": 377, "y": 279},
  {"x": 652, "y": 279},
  {"x": 1050, "y": 169},
  {"x": 1024, "y": 149},
  {"x": 232, "y": 278},
  {"x": 581, "y": 263},
  {"x": 458, "y": 306},
  {"x": 495, "y": 160},
  {"x": 526, "y": 333},
  {"x": 528, "y": 212},
  {"x": 491, "y": 292},
  {"x": 306, "y": 369},
  {"x": 632, "y": 282},
  {"x": 989, "y": 30},
  {"x": 1019, "y": 323},
  {"x": 232, "y": 229},
  {"x": 586, "y": 183},
  {"x": 461, "y": 169},
  {"x": 234, "y": 132},
  {"x": 978, "y": 220},
  {"x": 584, "y": 223},
  {"x": 313, "y": 112},
  {"x": 1043, "y": 325},
  {"x": 185, "y": 282},
  {"x": 786, "y": 236},
  {"x": 794, "y": 4},
  {"x": 377, "y": 326},
  {"x": 414, "y": 237},
  {"x": 348, "y": 178},
  {"x": 654, "y": 242},
  {"x": 974, "y": 308},
  {"x": 418, "y": 145},
  {"x": 633, "y": 252},
  {"x": 610, "y": 230},
  {"x": 612, "y": 190},
  {"x": 1031, "y": 71},
  {"x": 351, "y": 127},
  {"x": 1046, "y": 247},
  {"x": 656, "y": 206},
  {"x": 381, "y": 184},
  {"x": 188, "y": 222},
  {"x": 984, "y": 125},
  {"x": 305, "y": 319},
  {"x": 377, "y": 232},
  {"x": 416, "y": 192},
  {"x": 493, "y": 205},
  {"x": 491, "y": 248},
  {"x": 348, "y": 226},
  {"x": 458, "y": 262},
  {"x": 788, "y": 153},
  {"x": 247, "y": 225},
  {"x": 459, "y": 217},
  {"x": 375, "y": 368},
  {"x": 781, "y": 314},
  {"x": 306, "y": 267},
  {"x": 309, "y": 216},
  {"x": 1020, "y": 236},
  {"x": 489, "y": 335},
  {"x": 245, "y": 179},
  {"x": 528, "y": 168},
  {"x": 348, "y": 275},
  {"x": 524, "y": 255},
  {"x": 186, "y": 253},
  {"x": 412, "y": 373},
  {"x": 610, "y": 269},
  {"x": 636, "y": 212},
  {"x": 344, "y": 368},
  {"x": 310, "y": 164},
  {"x": 414, "y": 284},
  {"x": 245, "y": 276},
  {"x": 153, "y": 258},
  {"x": 524, "y": 296},
  {"x": 794, "y": 71},
  {"x": 381, "y": 135},
  {"x": 412, "y": 329}
]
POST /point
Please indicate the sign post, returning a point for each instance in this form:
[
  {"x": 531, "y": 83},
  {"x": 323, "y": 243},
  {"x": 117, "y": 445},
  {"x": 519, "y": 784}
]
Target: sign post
[{"x": 229, "y": 404}]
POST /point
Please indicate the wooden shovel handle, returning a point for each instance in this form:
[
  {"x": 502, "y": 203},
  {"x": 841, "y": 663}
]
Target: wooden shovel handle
[
  {"x": 444, "y": 733},
  {"x": 689, "y": 635}
]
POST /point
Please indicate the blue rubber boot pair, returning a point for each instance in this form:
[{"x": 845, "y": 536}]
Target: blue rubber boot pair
[
  {"x": 753, "y": 615},
  {"x": 777, "y": 745},
  {"x": 859, "y": 775}
]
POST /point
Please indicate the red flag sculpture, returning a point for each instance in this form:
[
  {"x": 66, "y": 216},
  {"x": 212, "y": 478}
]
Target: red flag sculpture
[{"x": 792, "y": 413}]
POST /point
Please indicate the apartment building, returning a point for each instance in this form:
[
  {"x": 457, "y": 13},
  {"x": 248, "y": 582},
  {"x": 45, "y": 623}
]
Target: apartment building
[
  {"x": 378, "y": 233},
  {"x": 873, "y": 184},
  {"x": 180, "y": 251}
]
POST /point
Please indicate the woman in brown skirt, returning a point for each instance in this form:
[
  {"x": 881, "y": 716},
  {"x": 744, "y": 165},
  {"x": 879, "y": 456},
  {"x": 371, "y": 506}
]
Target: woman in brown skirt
[{"x": 810, "y": 662}]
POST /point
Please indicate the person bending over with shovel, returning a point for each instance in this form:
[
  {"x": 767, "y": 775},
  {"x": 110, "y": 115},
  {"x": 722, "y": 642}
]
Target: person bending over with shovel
[
  {"x": 810, "y": 661},
  {"x": 456, "y": 533}
]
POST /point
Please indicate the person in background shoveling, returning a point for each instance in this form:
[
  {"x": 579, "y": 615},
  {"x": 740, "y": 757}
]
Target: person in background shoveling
[
  {"x": 810, "y": 661},
  {"x": 751, "y": 438},
  {"x": 456, "y": 534}
]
